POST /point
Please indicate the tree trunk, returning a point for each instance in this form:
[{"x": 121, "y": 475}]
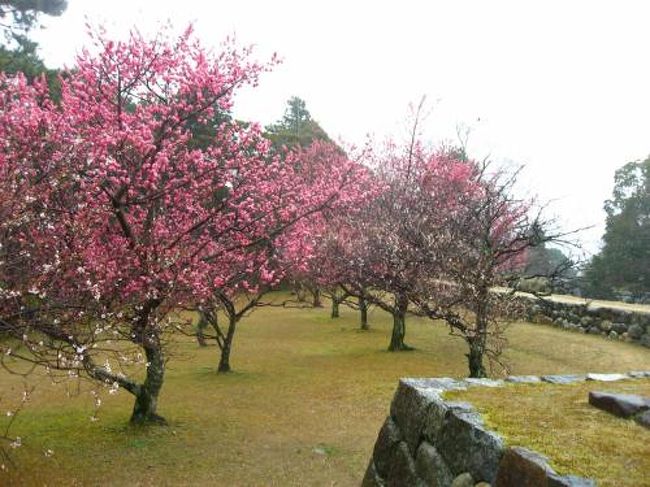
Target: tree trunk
[
  {"x": 300, "y": 294},
  {"x": 224, "y": 360},
  {"x": 317, "y": 303},
  {"x": 475, "y": 358},
  {"x": 146, "y": 396},
  {"x": 363, "y": 309},
  {"x": 335, "y": 307},
  {"x": 399, "y": 325},
  {"x": 201, "y": 325},
  {"x": 477, "y": 342}
]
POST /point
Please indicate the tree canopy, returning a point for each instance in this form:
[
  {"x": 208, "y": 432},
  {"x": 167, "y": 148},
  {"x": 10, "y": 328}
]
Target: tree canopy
[
  {"x": 17, "y": 17},
  {"x": 297, "y": 128},
  {"x": 622, "y": 268}
]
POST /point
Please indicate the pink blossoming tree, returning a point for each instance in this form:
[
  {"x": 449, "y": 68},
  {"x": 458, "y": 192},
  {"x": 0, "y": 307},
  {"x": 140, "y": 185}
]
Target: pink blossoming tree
[{"x": 115, "y": 218}]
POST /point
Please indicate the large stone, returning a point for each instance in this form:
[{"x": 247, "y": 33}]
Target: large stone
[
  {"x": 643, "y": 418},
  {"x": 556, "y": 480},
  {"x": 467, "y": 446},
  {"x": 436, "y": 414},
  {"x": 523, "y": 379},
  {"x": 606, "y": 377},
  {"x": 408, "y": 410},
  {"x": 431, "y": 468},
  {"x": 463, "y": 480},
  {"x": 562, "y": 379},
  {"x": 635, "y": 331},
  {"x": 435, "y": 385},
  {"x": 645, "y": 340},
  {"x": 372, "y": 478},
  {"x": 484, "y": 382},
  {"x": 401, "y": 471},
  {"x": 623, "y": 405},
  {"x": 619, "y": 327},
  {"x": 521, "y": 467},
  {"x": 639, "y": 374},
  {"x": 605, "y": 325},
  {"x": 387, "y": 440}
]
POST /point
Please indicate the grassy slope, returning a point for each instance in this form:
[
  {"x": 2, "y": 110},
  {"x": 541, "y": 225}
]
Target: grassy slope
[{"x": 303, "y": 407}]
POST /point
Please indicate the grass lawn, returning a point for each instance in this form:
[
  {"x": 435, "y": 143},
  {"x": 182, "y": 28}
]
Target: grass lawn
[
  {"x": 303, "y": 406},
  {"x": 557, "y": 421}
]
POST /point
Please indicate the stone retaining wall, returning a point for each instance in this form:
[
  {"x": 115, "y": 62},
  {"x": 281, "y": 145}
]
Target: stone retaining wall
[
  {"x": 613, "y": 323},
  {"x": 430, "y": 441}
]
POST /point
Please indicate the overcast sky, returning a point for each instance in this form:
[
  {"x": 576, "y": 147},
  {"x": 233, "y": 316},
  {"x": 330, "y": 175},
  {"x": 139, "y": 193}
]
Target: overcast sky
[{"x": 562, "y": 87}]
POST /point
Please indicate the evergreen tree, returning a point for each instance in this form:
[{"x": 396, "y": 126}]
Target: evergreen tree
[
  {"x": 623, "y": 265},
  {"x": 296, "y": 128}
]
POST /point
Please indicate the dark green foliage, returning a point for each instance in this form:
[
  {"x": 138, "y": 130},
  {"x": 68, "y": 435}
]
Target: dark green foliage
[
  {"x": 622, "y": 268},
  {"x": 296, "y": 129},
  {"x": 18, "y": 17},
  {"x": 18, "y": 52},
  {"x": 25, "y": 60}
]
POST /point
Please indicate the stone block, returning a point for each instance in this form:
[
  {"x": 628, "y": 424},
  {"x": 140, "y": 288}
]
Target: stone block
[
  {"x": 467, "y": 446},
  {"x": 643, "y": 418},
  {"x": 639, "y": 374},
  {"x": 387, "y": 440},
  {"x": 463, "y": 480},
  {"x": 436, "y": 414},
  {"x": 562, "y": 379},
  {"x": 636, "y": 331},
  {"x": 622, "y": 405},
  {"x": 372, "y": 478},
  {"x": 605, "y": 325},
  {"x": 408, "y": 410},
  {"x": 556, "y": 480},
  {"x": 484, "y": 382},
  {"x": 523, "y": 379},
  {"x": 521, "y": 467},
  {"x": 431, "y": 468},
  {"x": 607, "y": 377},
  {"x": 401, "y": 470},
  {"x": 645, "y": 340}
]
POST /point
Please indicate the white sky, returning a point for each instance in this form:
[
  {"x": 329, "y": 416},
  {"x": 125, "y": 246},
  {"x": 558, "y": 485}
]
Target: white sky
[{"x": 562, "y": 87}]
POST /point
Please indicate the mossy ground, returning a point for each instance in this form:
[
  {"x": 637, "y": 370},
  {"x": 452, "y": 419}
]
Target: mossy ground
[
  {"x": 579, "y": 439},
  {"x": 303, "y": 406}
]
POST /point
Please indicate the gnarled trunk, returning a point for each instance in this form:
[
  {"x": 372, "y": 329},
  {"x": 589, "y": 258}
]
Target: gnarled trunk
[
  {"x": 200, "y": 327},
  {"x": 146, "y": 394},
  {"x": 317, "y": 302},
  {"x": 477, "y": 342},
  {"x": 226, "y": 346},
  {"x": 475, "y": 358},
  {"x": 335, "y": 307},
  {"x": 363, "y": 311},
  {"x": 399, "y": 325}
]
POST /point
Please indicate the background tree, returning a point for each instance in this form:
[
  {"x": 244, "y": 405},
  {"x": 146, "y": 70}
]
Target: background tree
[
  {"x": 240, "y": 282},
  {"x": 622, "y": 268},
  {"x": 297, "y": 128},
  {"x": 18, "y": 17},
  {"x": 18, "y": 53},
  {"x": 487, "y": 232}
]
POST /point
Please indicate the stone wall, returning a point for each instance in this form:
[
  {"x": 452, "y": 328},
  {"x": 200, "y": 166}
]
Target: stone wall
[
  {"x": 610, "y": 322},
  {"x": 430, "y": 441}
]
